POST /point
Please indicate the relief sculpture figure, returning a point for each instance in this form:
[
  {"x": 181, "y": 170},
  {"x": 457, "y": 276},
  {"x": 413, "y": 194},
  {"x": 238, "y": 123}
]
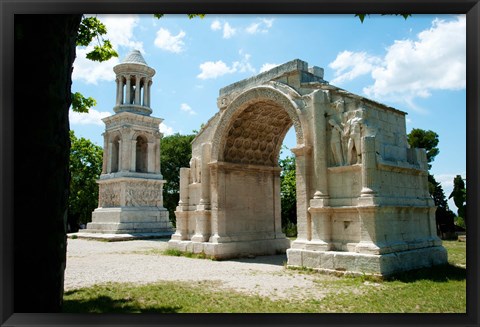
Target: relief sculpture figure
[
  {"x": 336, "y": 143},
  {"x": 353, "y": 131}
]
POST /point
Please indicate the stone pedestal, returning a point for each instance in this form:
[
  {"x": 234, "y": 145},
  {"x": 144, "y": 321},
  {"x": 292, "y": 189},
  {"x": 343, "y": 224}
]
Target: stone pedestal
[
  {"x": 130, "y": 205},
  {"x": 129, "y": 220}
]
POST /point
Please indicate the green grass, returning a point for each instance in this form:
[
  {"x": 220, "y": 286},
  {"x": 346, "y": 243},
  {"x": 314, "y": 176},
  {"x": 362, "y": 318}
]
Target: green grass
[
  {"x": 170, "y": 297},
  {"x": 456, "y": 252},
  {"x": 436, "y": 290}
]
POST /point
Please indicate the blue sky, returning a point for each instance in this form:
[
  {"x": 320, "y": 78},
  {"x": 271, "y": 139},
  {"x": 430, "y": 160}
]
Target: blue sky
[{"x": 416, "y": 65}]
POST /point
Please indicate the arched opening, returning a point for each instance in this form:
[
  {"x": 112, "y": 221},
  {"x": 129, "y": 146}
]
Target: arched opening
[
  {"x": 252, "y": 175},
  {"x": 288, "y": 186},
  {"x": 115, "y": 154},
  {"x": 141, "y": 155}
]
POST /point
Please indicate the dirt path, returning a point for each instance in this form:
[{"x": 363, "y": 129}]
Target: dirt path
[{"x": 93, "y": 262}]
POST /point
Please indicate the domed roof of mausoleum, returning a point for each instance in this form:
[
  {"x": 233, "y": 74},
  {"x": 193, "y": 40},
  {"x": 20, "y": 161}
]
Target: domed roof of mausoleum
[{"x": 134, "y": 57}]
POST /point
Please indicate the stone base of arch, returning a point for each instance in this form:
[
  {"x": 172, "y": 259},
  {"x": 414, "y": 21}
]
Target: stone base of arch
[
  {"x": 369, "y": 264},
  {"x": 234, "y": 249},
  {"x": 373, "y": 239}
]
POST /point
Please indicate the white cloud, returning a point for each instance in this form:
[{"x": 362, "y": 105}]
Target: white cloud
[
  {"x": 253, "y": 28},
  {"x": 93, "y": 117},
  {"x": 120, "y": 32},
  {"x": 261, "y": 26},
  {"x": 212, "y": 69},
  {"x": 435, "y": 60},
  {"x": 185, "y": 107},
  {"x": 268, "y": 22},
  {"x": 168, "y": 42},
  {"x": 228, "y": 31},
  {"x": 216, "y": 69},
  {"x": 216, "y": 25},
  {"x": 447, "y": 180},
  {"x": 267, "y": 66},
  {"x": 91, "y": 72},
  {"x": 166, "y": 130},
  {"x": 350, "y": 65}
]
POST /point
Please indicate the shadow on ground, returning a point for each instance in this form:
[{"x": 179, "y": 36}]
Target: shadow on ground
[
  {"x": 443, "y": 273},
  {"x": 277, "y": 260},
  {"x": 105, "y": 304}
]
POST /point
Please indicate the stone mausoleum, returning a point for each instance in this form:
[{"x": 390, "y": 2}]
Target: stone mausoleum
[
  {"x": 131, "y": 185},
  {"x": 363, "y": 204}
]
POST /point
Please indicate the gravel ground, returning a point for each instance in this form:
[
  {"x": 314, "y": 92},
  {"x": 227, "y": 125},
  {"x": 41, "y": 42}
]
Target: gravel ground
[{"x": 93, "y": 262}]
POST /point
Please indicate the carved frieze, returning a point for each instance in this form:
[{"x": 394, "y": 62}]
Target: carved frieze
[
  {"x": 109, "y": 195},
  {"x": 137, "y": 194},
  {"x": 143, "y": 194}
]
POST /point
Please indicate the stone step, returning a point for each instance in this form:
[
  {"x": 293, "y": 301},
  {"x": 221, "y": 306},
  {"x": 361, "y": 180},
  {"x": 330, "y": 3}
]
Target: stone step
[{"x": 127, "y": 227}]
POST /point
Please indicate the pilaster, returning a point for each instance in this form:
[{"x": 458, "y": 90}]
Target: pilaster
[
  {"x": 303, "y": 216},
  {"x": 319, "y": 145}
]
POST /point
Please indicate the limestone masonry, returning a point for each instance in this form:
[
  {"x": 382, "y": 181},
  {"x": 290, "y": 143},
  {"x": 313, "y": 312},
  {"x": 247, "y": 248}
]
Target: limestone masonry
[
  {"x": 362, "y": 197},
  {"x": 131, "y": 185},
  {"x": 363, "y": 204}
]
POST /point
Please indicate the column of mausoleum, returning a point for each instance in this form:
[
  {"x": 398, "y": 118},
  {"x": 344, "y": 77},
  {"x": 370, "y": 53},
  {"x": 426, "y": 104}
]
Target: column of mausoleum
[
  {"x": 128, "y": 95},
  {"x": 137, "y": 89},
  {"x": 119, "y": 90}
]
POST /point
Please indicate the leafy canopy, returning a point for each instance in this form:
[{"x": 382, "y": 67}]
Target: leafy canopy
[
  {"x": 428, "y": 140},
  {"x": 85, "y": 169},
  {"x": 362, "y": 16},
  {"x": 82, "y": 104},
  {"x": 176, "y": 151},
  {"x": 288, "y": 193},
  {"x": 459, "y": 195}
]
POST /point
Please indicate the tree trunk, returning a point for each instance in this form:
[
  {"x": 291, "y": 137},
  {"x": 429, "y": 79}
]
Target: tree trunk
[{"x": 44, "y": 54}]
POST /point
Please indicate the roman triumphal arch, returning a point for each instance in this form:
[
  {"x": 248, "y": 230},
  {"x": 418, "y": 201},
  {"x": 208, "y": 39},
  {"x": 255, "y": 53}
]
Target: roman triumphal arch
[{"x": 362, "y": 196}]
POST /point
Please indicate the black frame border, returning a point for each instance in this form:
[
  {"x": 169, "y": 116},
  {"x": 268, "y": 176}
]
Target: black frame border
[{"x": 9, "y": 8}]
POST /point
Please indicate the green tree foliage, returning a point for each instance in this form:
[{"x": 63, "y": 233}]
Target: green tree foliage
[
  {"x": 459, "y": 195},
  {"x": 92, "y": 28},
  {"x": 190, "y": 16},
  {"x": 288, "y": 195},
  {"x": 363, "y": 16},
  {"x": 176, "y": 151},
  {"x": 444, "y": 217},
  {"x": 85, "y": 169},
  {"x": 428, "y": 140},
  {"x": 82, "y": 104}
]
